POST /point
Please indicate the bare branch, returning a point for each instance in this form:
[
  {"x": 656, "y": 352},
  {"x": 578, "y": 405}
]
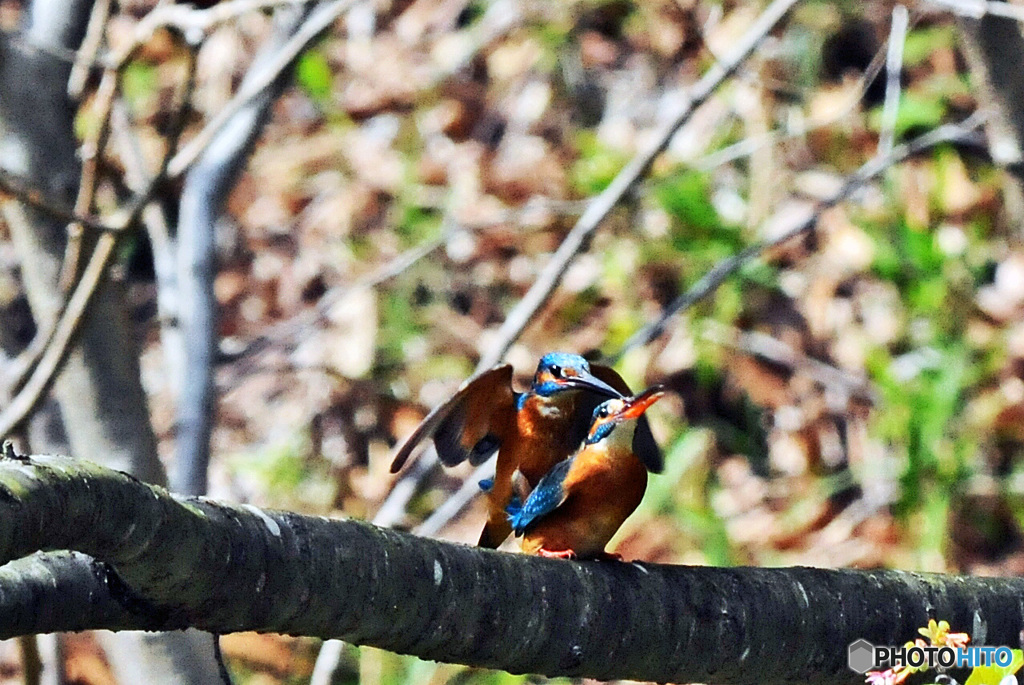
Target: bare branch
[
  {"x": 55, "y": 352},
  {"x": 318, "y": 22},
  {"x": 893, "y": 71},
  {"x": 85, "y": 58},
  {"x": 455, "y": 503},
  {"x": 194, "y": 22},
  {"x": 778, "y": 352},
  {"x": 727, "y": 267},
  {"x": 602, "y": 205},
  {"x": 34, "y": 198},
  {"x": 976, "y": 9},
  {"x": 751, "y": 144},
  {"x": 206, "y": 189}
]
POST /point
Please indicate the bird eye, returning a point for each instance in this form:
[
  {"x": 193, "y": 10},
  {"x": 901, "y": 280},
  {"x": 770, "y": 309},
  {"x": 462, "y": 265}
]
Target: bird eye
[
  {"x": 556, "y": 371},
  {"x": 603, "y": 412}
]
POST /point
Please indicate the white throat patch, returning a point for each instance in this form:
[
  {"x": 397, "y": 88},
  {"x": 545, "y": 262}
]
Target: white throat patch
[{"x": 549, "y": 410}]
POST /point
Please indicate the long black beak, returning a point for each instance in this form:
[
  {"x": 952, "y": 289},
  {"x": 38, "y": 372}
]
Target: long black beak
[{"x": 586, "y": 381}]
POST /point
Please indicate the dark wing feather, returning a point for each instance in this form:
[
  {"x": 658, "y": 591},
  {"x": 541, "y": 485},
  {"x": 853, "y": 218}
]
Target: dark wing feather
[
  {"x": 463, "y": 427},
  {"x": 644, "y": 445},
  {"x": 545, "y": 498}
]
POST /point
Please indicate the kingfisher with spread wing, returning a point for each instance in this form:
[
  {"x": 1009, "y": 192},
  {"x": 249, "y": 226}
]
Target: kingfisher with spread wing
[
  {"x": 531, "y": 431},
  {"x": 577, "y": 507}
]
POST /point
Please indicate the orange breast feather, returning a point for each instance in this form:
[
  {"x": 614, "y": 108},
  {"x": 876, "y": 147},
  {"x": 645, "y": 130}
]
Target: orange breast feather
[{"x": 602, "y": 491}]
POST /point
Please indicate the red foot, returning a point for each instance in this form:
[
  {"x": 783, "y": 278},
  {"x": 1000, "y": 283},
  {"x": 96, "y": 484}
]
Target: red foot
[{"x": 570, "y": 554}]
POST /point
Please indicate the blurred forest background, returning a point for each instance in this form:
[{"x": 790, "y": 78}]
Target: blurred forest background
[{"x": 854, "y": 397}]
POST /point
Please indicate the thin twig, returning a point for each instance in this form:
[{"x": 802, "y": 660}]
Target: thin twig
[
  {"x": 22, "y": 192},
  {"x": 727, "y": 267},
  {"x": 56, "y": 351},
  {"x": 194, "y": 22},
  {"x": 893, "y": 71},
  {"x": 976, "y": 9},
  {"x": 457, "y": 502},
  {"x": 316, "y": 24},
  {"x": 91, "y": 151},
  {"x": 327, "y": 661},
  {"x": 747, "y": 146},
  {"x": 778, "y": 352},
  {"x": 602, "y": 205},
  {"x": 43, "y": 361},
  {"x": 90, "y": 48},
  {"x": 283, "y": 332},
  {"x": 592, "y": 217}
]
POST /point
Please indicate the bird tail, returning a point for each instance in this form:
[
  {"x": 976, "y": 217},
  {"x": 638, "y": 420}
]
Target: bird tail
[
  {"x": 515, "y": 506},
  {"x": 515, "y": 515}
]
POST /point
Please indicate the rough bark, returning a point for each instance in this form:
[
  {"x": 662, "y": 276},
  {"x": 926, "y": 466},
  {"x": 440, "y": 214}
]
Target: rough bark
[
  {"x": 100, "y": 394},
  {"x": 175, "y": 562},
  {"x": 98, "y": 389}
]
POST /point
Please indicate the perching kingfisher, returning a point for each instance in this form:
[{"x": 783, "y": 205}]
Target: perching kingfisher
[
  {"x": 580, "y": 503},
  {"x": 532, "y": 431}
]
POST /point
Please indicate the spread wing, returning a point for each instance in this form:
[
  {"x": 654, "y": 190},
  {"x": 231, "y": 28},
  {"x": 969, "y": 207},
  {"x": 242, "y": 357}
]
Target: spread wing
[
  {"x": 469, "y": 425},
  {"x": 644, "y": 445},
  {"x": 549, "y": 494}
]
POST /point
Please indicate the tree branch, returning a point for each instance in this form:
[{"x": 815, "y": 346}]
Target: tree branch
[
  {"x": 206, "y": 189},
  {"x": 175, "y": 563},
  {"x": 714, "y": 278},
  {"x": 710, "y": 281},
  {"x": 596, "y": 211},
  {"x": 894, "y": 72},
  {"x": 976, "y": 9},
  {"x": 319, "y": 21},
  {"x": 602, "y": 205}
]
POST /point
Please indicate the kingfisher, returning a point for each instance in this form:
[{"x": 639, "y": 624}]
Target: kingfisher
[
  {"x": 582, "y": 501},
  {"x": 531, "y": 431}
]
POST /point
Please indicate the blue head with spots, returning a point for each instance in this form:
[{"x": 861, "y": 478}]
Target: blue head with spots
[
  {"x": 614, "y": 412},
  {"x": 559, "y": 372}
]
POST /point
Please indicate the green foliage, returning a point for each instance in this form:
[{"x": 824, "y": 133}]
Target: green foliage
[
  {"x": 139, "y": 83},
  {"x": 921, "y": 43},
  {"x": 915, "y": 112},
  {"x": 313, "y": 74},
  {"x": 287, "y": 470},
  {"x": 416, "y": 225},
  {"x": 686, "y": 196},
  {"x": 923, "y": 394},
  {"x": 596, "y": 165}
]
